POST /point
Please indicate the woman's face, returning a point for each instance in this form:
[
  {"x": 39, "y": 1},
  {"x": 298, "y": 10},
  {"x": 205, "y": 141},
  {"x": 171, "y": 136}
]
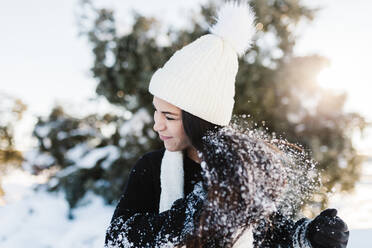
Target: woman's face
[{"x": 168, "y": 124}]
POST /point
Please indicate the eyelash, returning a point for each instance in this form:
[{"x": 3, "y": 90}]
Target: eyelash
[{"x": 168, "y": 118}]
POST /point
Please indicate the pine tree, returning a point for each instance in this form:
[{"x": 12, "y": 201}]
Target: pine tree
[
  {"x": 274, "y": 86},
  {"x": 11, "y": 112}
]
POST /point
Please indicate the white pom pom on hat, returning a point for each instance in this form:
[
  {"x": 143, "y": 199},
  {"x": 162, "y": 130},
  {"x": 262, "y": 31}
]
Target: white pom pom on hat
[
  {"x": 235, "y": 24},
  {"x": 200, "y": 77}
]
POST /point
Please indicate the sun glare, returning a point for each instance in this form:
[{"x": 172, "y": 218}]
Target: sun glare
[
  {"x": 334, "y": 78},
  {"x": 352, "y": 78},
  {"x": 343, "y": 75}
]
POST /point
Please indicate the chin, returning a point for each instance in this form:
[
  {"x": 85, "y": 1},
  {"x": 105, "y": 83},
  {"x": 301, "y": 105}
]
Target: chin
[{"x": 172, "y": 148}]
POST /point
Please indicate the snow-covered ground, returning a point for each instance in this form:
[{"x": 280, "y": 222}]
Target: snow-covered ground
[{"x": 39, "y": 219}]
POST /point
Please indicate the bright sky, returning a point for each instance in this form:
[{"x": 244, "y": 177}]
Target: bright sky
[{"x": 43, "y": 61}]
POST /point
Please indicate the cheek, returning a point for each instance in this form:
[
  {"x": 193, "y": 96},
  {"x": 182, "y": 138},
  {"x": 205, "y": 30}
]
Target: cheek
[
  {"x": 183, "y": 137},
  {"x": 179, "y": 133}
]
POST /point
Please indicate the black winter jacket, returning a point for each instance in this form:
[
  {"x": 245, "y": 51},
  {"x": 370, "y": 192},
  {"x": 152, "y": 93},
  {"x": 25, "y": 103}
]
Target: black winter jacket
[{"x": 137, "y": 222}]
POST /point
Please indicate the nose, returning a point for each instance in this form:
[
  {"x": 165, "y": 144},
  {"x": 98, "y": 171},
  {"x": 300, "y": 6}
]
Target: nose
[{"x": 158, "y": 123}]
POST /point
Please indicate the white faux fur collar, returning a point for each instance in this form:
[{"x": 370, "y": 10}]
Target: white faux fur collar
[{"x": 171, "y": 179}]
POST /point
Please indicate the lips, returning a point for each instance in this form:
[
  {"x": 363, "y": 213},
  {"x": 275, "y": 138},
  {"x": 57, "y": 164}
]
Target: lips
[{"x": 164, "y": 137}]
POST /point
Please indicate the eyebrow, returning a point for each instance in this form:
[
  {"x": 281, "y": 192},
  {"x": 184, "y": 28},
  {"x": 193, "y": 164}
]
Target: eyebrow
[{"x": 165, "y": 112}]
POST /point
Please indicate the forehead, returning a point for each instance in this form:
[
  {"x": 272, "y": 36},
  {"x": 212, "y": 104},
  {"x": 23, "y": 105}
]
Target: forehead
[{"x": 164, "y": 105}]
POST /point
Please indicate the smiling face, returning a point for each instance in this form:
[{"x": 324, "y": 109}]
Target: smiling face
[{"x": 168, "y": 124}]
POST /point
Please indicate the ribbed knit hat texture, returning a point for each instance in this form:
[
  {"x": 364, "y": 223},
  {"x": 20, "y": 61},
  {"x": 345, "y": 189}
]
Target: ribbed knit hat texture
[{"x": 200, "y": 77}]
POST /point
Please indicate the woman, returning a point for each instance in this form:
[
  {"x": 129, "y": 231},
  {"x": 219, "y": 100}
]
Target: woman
[{"x": 162, "y": 204}]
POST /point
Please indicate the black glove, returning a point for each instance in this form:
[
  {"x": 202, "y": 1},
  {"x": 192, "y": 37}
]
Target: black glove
[
  {"x": 191, "y": 206},
  {"x": 195, "y": 200},
  {"x": 328, "y": 230}
]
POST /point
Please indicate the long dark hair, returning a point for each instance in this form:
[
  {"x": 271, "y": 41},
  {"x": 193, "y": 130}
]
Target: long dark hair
[
  {"x": 234, "y": 182},
  {"x": 195, "y": 128}
]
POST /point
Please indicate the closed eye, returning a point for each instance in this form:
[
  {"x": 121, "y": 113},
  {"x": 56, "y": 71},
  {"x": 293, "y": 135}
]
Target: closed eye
[{"x": 168, "y": 118}]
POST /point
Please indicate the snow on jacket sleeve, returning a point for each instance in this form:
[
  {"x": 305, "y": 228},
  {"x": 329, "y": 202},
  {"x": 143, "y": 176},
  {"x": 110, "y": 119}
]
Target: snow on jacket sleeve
[
  {"x": 282, "y": 232},
  {"x": 136, "y": 221}
]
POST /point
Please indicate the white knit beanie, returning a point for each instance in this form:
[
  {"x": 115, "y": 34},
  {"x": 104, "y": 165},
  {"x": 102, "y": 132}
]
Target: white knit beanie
[{"x": 200, "y": 77}]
